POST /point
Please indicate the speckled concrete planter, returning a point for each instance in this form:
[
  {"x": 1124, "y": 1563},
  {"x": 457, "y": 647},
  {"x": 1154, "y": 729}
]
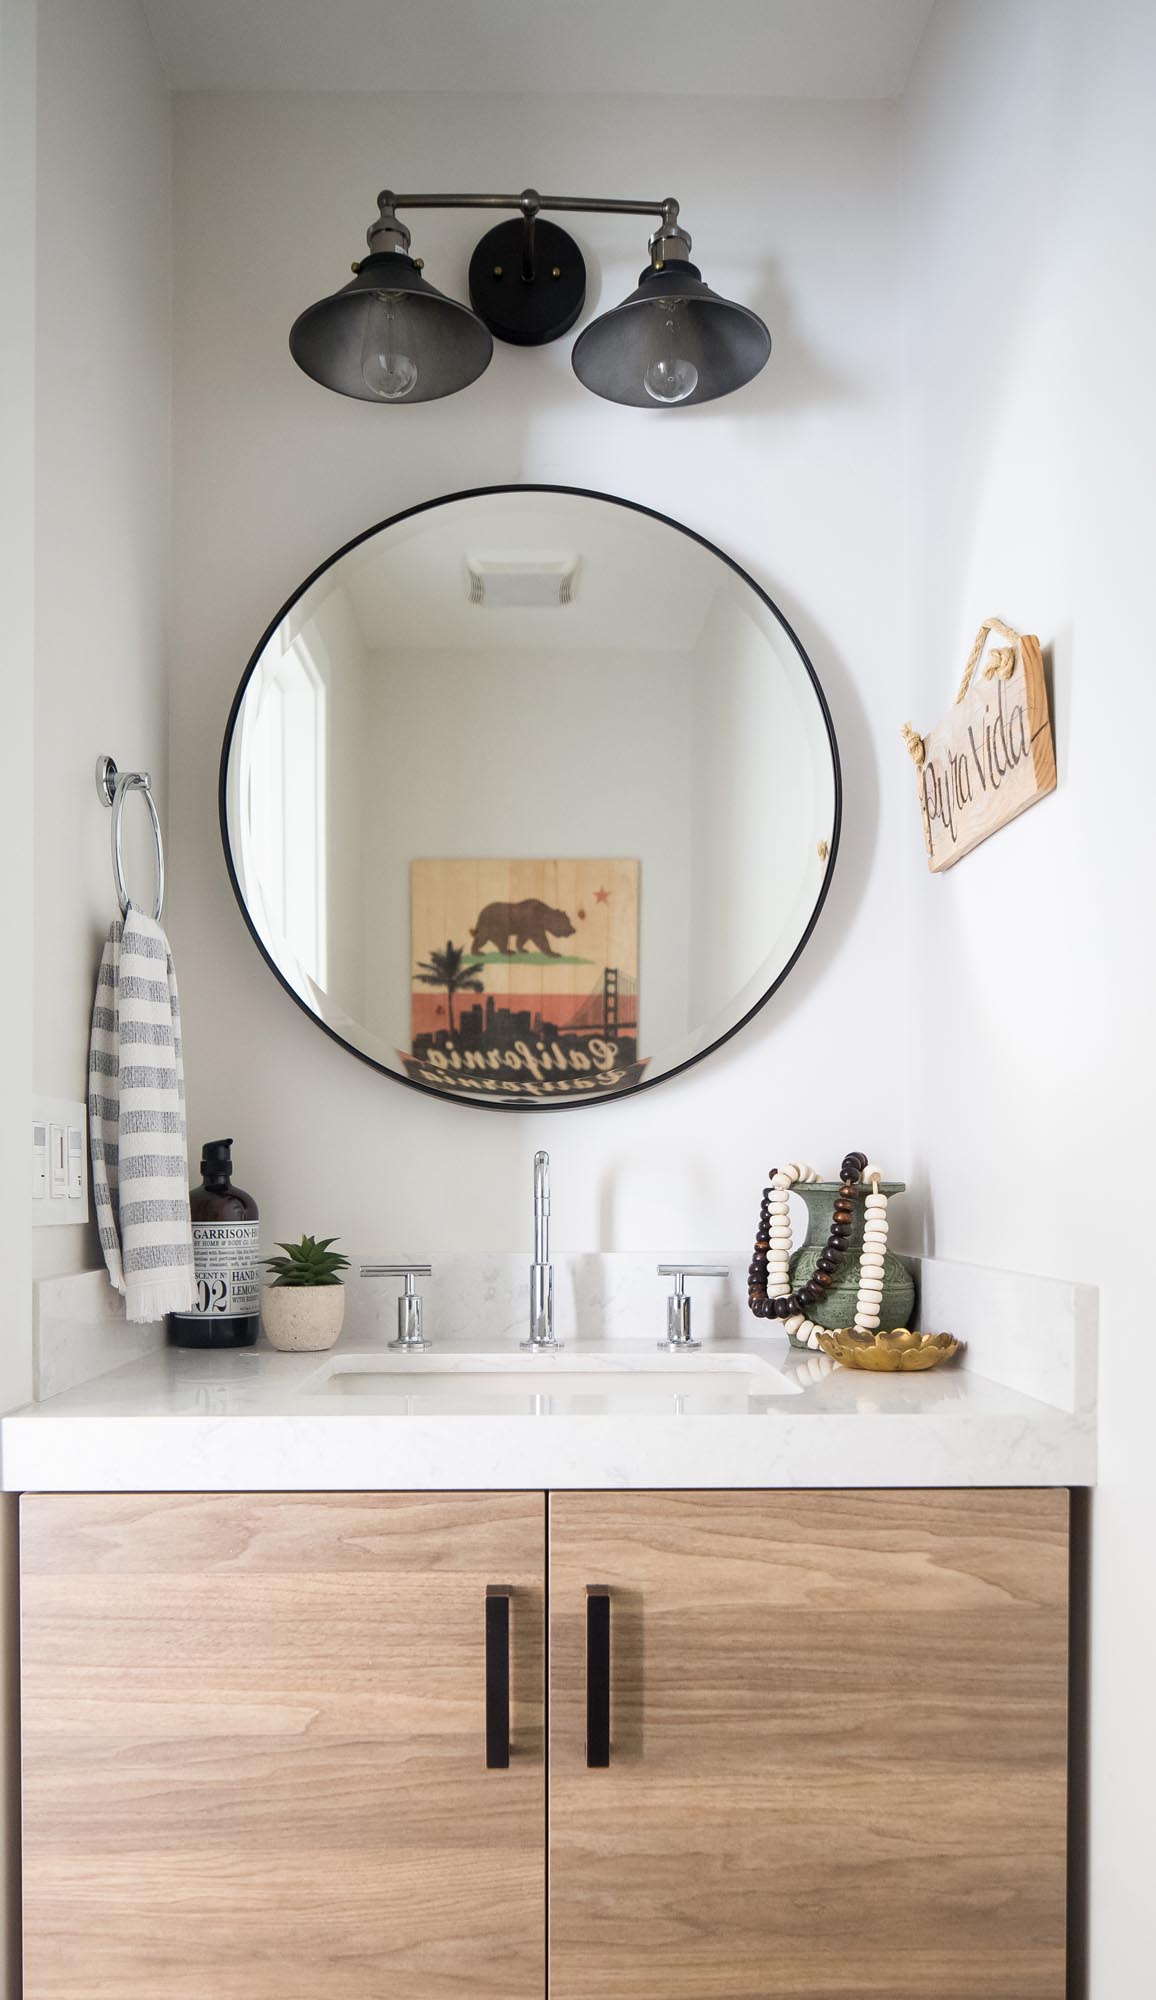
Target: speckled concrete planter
[
  {"x": 301, "y": 1319},
  {"x": 838, "y": 1308}
]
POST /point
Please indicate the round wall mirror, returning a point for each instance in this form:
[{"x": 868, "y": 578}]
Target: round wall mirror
[{"x": 530, "y": 797}]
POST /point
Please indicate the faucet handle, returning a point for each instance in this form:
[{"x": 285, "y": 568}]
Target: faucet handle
[
  {"x": 410, "y": 1339},
  {"x": 678, "y": 1334}
]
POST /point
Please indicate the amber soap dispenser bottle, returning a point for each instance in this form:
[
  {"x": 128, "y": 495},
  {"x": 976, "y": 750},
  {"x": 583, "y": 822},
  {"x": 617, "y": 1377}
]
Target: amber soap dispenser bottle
[{"x": 225, "y": 1261}]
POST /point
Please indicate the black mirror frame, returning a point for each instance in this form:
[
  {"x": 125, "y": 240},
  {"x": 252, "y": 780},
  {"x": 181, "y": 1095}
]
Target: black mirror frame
[{"x": 531, "y": 1104}]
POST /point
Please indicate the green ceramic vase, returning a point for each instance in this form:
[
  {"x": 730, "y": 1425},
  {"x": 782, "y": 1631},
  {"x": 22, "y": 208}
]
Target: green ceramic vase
[{"x": 838, "y": 1308}]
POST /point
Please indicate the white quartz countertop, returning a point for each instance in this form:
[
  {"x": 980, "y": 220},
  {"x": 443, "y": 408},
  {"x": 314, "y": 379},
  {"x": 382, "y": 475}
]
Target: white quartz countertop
[{"x": 742, "y": 1412}]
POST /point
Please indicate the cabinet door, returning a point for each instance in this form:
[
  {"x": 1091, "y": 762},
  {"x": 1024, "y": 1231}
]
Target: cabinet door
[
  {"x": 255, "y": 1747},
  {"x": 837, "y": 1746}
]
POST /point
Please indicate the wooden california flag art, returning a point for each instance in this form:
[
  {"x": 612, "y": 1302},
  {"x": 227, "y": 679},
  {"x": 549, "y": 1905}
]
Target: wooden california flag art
[
  {"x": 524, "y": 977},
  {"x": 992, "y": 757}
]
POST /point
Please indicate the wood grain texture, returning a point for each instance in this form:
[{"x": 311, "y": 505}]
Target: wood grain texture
[
  {"x": 838, "y": 1747},
  {"x": 254, "y": 1748},
  {"x": 989, "y": 759}
]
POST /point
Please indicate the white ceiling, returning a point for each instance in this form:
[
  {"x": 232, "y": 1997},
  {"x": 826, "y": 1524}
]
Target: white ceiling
[
  {"x": 710, "y": 48},
  {"x": 408, "y": 588}
]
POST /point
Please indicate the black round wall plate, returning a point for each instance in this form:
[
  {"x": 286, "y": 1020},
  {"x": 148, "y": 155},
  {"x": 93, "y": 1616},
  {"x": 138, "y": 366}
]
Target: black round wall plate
[{"x": 527, "y": 312}]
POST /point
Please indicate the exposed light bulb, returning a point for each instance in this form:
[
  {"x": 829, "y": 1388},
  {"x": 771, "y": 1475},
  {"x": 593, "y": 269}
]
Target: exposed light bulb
[
  {"x": 386, "y": 369},
  {"x": 670, "y": 377}
]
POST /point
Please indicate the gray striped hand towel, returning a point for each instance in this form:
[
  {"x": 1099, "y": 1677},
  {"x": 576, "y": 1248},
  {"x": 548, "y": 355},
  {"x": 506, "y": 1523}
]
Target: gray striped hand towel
[{"x": 136, "y": 1122}]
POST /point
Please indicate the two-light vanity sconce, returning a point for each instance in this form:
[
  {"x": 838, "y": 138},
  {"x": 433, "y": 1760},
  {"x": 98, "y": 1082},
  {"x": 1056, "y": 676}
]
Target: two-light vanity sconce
[{"x": 389, "y": 337}]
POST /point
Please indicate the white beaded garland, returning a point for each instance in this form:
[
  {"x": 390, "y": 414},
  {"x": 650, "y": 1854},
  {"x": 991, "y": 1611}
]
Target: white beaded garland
[
  {"x": 779, "y": 1246},
  {"x": 869, "y": 1295},
  {"x": 779, "y": 1233}
]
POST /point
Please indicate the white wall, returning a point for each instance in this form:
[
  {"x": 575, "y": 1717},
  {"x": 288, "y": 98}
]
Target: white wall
[
  {"x": 793, "y": 209},
  {"x": 17, "y": 593},
  {"x": 498, "y": 780},
  {"x": 84, "y": 478},
  {"x": 1029, "y": 168},
  {"x": 759, "y": 801},
  {"x": 103, "y": 465}
]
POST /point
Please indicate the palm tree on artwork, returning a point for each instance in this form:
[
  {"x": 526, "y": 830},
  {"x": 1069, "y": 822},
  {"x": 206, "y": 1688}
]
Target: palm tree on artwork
[{"x": 448, "y": 968}]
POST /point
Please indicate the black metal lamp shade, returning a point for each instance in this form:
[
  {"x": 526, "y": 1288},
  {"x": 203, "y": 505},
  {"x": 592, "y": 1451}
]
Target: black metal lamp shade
[
  {"x": 389, "y": 337},
  {"x": 672, "y": 342}
]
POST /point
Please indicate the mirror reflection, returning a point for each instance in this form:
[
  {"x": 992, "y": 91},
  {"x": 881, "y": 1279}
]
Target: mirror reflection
[{"x": 530, "y": 797}]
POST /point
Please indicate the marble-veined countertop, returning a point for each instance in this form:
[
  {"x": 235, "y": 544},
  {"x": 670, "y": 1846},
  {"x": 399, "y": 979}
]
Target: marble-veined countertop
[{"x": 1016, "y": 1410}]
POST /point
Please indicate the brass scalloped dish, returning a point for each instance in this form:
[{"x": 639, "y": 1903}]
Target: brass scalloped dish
[{"x": 888, "y": 1353}]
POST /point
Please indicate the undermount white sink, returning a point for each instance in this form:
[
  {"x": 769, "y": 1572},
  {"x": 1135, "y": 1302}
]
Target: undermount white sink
[{"x": 571, "y": 1382}]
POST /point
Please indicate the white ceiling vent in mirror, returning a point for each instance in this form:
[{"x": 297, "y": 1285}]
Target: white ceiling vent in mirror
[
  {"x": 524, "y": 860},
  {"x": 522, "y": 582}
]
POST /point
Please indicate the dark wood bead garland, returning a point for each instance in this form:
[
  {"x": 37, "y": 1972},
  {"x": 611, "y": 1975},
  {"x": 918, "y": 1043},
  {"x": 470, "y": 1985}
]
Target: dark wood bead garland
[{"x": 789, "y": 1304}]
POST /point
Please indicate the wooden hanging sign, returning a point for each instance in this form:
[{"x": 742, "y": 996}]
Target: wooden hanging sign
[{"x": 992, "y": 757}]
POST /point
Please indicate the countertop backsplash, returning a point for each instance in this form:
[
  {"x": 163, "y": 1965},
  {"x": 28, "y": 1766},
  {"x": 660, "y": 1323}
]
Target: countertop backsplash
[
  {"x": 1036, "y": 1335},
  {"x": 80, "y": 1331}
]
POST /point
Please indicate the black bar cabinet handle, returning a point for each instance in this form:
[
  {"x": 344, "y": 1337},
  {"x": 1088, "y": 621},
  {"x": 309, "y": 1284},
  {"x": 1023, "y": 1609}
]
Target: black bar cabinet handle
[
  {"x": 497, "y": 1679},
  {"x": 597, "y": 1679}
]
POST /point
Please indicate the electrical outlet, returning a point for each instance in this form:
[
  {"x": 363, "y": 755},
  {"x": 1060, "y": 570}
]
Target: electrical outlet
[{"x": 59, "y": 1161}]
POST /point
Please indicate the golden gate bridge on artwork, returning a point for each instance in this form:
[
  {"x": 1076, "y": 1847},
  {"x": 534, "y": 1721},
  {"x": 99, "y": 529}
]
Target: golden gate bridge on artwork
[{"x": 610, "y": 1009}]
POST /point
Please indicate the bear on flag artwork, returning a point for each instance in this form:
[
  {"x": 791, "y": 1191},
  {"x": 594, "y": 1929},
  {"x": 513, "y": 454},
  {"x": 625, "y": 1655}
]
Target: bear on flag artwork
[{"x": 524, "y": 978}]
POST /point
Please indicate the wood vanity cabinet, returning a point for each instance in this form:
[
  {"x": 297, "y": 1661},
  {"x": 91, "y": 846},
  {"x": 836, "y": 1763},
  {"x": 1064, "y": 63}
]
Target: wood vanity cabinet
[
  {"x": 254, "y": 1748},
  {"x": 838, "y": 1746},
  {"x": 802, "y": 1746}
]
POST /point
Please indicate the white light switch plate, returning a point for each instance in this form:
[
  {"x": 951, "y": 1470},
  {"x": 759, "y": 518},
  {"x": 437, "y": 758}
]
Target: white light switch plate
[{"x": 59, "y": 1160}]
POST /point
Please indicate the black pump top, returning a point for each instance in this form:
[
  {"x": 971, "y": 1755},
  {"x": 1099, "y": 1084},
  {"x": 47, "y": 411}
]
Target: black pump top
[{"x": 217, "y": 1160}]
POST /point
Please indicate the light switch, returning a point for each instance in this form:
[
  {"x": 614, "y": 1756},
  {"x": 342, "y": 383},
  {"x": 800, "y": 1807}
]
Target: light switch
[
  {"x": 57, "y": 1162},
  {"x": 76, "y": 1163}
]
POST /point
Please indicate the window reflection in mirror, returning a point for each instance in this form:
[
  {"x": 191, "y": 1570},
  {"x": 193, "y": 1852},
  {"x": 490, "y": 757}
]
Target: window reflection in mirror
[{"x": 283, "y": 811}]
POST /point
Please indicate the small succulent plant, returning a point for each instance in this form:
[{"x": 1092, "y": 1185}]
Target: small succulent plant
[{"x": 308, "y": 1263}]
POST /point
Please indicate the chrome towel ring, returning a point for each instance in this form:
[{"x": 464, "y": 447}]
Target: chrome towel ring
[{"x": 112, "y": 788}]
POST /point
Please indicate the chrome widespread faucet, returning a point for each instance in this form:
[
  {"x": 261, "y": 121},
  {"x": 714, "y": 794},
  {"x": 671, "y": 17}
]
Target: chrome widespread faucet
[{"x": 541, "y": 1270}]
